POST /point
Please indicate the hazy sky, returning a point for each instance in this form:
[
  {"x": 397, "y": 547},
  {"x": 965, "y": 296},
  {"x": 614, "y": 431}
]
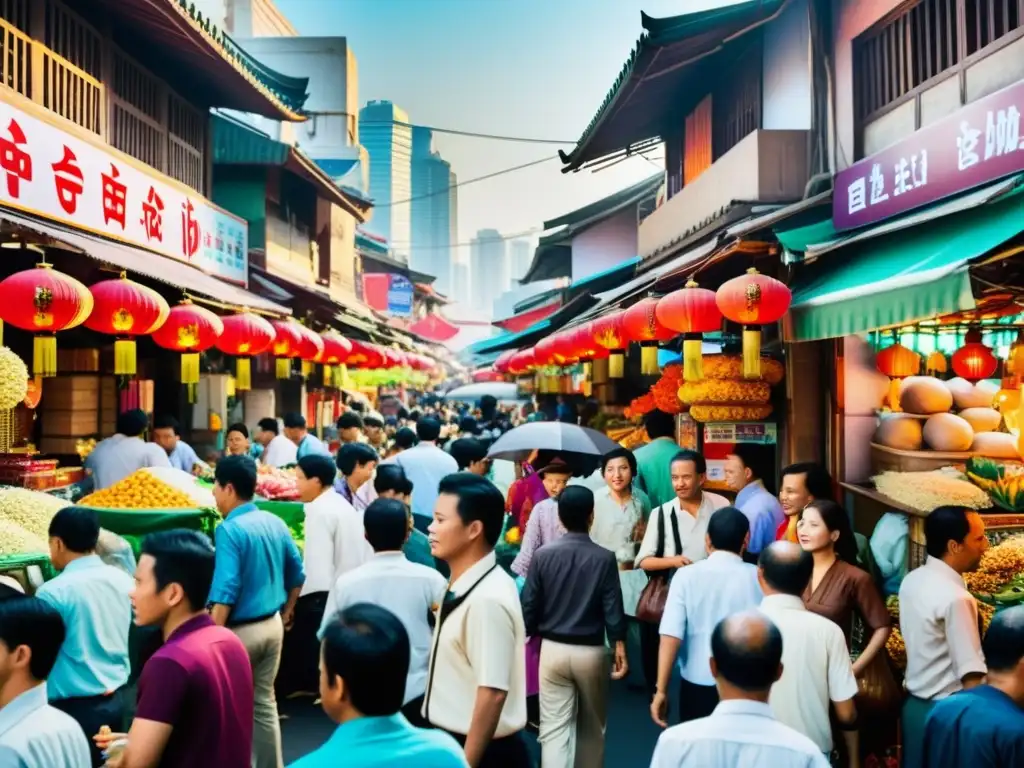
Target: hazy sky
[{"x": 535, "y": 68}]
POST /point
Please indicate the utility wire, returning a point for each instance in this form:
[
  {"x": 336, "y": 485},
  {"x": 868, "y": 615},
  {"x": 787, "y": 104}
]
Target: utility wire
[
  {"x": 451, "y": 131},
  {"x": 512, "y": 236},
  {"x": 467, "y": 182}
]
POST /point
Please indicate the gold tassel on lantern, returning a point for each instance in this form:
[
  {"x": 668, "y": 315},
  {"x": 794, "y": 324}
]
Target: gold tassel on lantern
[
  {"x": 617, "y": 364},
  {"x": 284, "y": 368},
  {"x": 190, "y": 368},
  {"x": 752, "y": 352},
  {"x": 243, "y": 374},
  {"x": 307, "y": 368},
  {"x": 327, "y": 375},
  {"x": 1, "y": 332},
  {"x": 124, "y": 357},
  {"x": 693, "y": 357},
  {"x": 588, "y": 370},
  {"x": 649, "y": 359},
  {"x": 44, "y": 356},
  {"x": 230, "y": 390}
]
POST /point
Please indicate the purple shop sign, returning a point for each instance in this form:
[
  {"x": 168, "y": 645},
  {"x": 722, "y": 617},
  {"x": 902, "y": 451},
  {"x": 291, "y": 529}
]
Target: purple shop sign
[{"x": 979, "y": 144}]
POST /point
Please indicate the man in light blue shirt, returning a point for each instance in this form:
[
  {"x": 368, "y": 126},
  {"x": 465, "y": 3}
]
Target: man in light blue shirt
[
  {"x": 365, "y": 658},
  {"x": 745, "y": 467},
  {"x": 306, "y": 442},
  {"x": 124, "y": 453},
  {"x": 167, "y": 434},
  {"x": 94, "y": 601},
  {"x": 34, "y": 734},
  {"x": 257, "y": 579},
  {"x": 700, "y": 596},
  {"x": 425, "y": 465}
]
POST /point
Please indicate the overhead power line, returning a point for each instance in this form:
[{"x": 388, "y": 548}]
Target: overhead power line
[
  {"x": 467, "y": 182},
  {"x": 451, "y": 131},
  {"x": 511, "y": 236}
]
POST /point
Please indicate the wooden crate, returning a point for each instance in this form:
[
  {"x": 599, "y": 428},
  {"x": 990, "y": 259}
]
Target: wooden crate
[
  {"x": 68, "y": 393},
  {"x": 78, "y": 422},
  {"x": 885, "y": 459}
]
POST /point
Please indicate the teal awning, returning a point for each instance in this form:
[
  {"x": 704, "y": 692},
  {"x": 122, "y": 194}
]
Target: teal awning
[
  {"x": 507, "y": 340},
  {"x": 623, "y": 268},
  {"x": 900, "y": 278}
]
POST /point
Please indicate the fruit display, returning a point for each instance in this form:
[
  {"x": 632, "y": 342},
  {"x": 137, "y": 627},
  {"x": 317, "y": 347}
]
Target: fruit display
[
  {"x": 276, "y": 484},
  {"x": 29, "y": 510},
  {"x": 13, "y": 379},
  {"x": 999, "y": 578},
  {"x": 140, "y": 490},
  {"x": 15, "y": 540},
  {"x": 925, "y": 491},
  {"x": 1007, "y": 491}
]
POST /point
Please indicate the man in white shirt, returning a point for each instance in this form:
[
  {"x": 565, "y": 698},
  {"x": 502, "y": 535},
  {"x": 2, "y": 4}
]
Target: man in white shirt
[
  {"x": 278, "y": 450},
  {"x": 113, "y": 459},
  {"x": 746, "y": 660},
  {"x": 476, "y": 687},
  {"x": 939, "y": 621},
  {"x": 425, "y": 465},
  {"x": 34, "y": 734},
  {"x": 817, "y": 671},
  {"x": 388, "y": 579},
  {"x": 675, "y": 537},
  {"x": 334, "y": 544},
  {"x": 699, "y": 597}
]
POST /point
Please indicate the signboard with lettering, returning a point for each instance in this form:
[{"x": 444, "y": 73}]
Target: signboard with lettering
[
  {"x": 56, "y": 175},
  {"x": 400, "y": 292},
  {"x": 980, "y": 143}
]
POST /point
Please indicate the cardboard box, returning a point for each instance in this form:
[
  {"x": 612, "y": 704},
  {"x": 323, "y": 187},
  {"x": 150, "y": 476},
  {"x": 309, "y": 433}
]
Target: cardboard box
[
  {"x": 78, "y": 422},
  {"x": 59, "y": 445},
  {"x": 71, "y": 393},
  {"x": 78, "y": 360}
]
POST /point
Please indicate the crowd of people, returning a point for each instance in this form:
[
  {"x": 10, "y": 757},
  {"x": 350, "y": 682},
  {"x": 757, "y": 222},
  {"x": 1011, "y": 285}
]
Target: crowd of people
[{"x": 427, "y": 649}]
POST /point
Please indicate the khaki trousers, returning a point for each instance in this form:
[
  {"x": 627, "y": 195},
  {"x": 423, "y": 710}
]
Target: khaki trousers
[
  {"x": 573, "y": 704},
  {"x": 263, "y": 641}
]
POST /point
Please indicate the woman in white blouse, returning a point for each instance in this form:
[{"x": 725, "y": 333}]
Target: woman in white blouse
[{"x": 620, "y": 509}]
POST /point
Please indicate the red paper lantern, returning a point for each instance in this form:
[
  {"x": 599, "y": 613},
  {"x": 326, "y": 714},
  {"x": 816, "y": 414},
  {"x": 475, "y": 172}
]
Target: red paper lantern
[
  {"x": 125, "y": 309},
  {"x": 566, "y": 352},
  {"x": 522, "y": 362},
  {"x": 44, "y": 301},
  {"x": 245, "y": 336},
  {"x": 285, "y": 347},
  {"x": 501, "y": 364},
  {"x": 974, "y": 361},
  {"x": 335, "y": 352},
  {"x": 189, "y": 329},
  {"x": 640, "y": 323},
  {"x": 544, "y": 351},
  {"x": 309, "y": 347},
  {"x": 753, "y": 300},
  {"x": 691, "y": 311},
  {"x": 897, "y": 362},
  {"x": 610, "y": 334}
]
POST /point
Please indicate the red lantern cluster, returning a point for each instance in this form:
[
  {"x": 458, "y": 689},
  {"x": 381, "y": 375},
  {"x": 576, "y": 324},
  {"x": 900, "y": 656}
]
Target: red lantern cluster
[
  {"x": 691, "y": 311},
  {"x": 641, "y": 324},
  {"x": 974, "y": 361},
  {"x": 285, "y": 346},
  {"x": 126, "y": 310},
  {"x": 245, "y": 336},
  {"x": 609, "y": 333},
  {"x": 189, "y": 330},
  {"x": 753, "y": 300},
  {"x": 501, "y": 364}
]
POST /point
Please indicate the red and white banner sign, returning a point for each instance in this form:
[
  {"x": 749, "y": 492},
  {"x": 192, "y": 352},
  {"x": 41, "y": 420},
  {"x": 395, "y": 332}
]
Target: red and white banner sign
[{"x": 54, "y": 174}]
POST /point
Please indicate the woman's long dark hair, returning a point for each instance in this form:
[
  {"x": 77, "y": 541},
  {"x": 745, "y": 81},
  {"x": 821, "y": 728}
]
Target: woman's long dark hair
[{"x": 836, "y": 519}]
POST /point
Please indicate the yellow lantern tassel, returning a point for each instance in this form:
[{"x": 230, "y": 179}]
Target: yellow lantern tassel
[
  {"x": 230, "y": 389},
  {"x": 693, "y": 357},
  {"x": 327, "y": 375},
  {"x": 894, "y": 395},
  {"x": 124, "y": 357},
  {"x": 751, "y": 352},
  {"x": 284, "y": 368},
  {"x": 243, "y": 374},
  {"x": 617, "y": 364},
  {"x": 1, "y": 333},
  {"x": 588, "y": 370},
  {"x": 307, "y": 368},
  {"x": 649, "y": 360},
  {"x": 44, "y": 356},
  {"x": 190, "y": 368}
]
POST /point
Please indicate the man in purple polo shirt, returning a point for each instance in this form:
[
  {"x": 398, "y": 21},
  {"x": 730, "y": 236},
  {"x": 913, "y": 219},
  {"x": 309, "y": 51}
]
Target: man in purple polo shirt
[{"x": 195, "y": 699}]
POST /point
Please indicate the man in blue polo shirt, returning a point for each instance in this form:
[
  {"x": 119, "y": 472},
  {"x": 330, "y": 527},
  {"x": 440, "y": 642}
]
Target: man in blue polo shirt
[
  {"x": 983, "y": 727},
  {"x": 364, "y": 661},
  {"x": 256, "y": 582}
]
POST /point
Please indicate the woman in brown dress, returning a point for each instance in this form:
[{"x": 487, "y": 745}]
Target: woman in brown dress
[{"x": 839, "y": 589}]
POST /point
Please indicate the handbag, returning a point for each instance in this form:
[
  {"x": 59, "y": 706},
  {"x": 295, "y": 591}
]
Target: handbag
[
  {"x": 651, "y": 605},
  {"x": 878, "y": 693}
]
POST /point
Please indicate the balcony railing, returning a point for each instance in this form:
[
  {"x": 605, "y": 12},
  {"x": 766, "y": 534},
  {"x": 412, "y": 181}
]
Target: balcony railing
[{"x": 36, "y": 72}]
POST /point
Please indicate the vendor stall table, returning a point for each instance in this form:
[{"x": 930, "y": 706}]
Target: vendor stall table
[{"x": 134, "y": 524}]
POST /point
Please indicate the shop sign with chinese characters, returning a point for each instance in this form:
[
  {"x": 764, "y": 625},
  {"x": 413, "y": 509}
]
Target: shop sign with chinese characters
[
  {"x": 978, "y": 144},
  {"x": 51, "y": 173}
]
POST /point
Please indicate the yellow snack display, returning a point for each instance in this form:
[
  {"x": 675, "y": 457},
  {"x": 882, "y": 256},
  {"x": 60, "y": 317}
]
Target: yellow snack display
[
  {"x": 15, "y": 540},
  {"x": 725, "y": 392},
  {"x": 705, "y": 413},
  {"x": 140, "y": 490},
  {"x": 731, "y": 367}
]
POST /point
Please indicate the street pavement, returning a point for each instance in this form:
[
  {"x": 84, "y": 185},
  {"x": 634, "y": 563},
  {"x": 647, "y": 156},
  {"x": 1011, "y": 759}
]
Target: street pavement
[{"x": 630, "y": 739}]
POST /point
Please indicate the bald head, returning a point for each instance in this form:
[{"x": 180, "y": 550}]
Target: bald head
[
  {"x": 786, "y": 567},
  {"x": 1004, "y": 642},
  {"x": 747, "y": 651}
]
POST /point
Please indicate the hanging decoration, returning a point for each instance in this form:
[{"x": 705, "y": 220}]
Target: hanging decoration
[
  {"x": 501, "y": 364},
  {"x": 309, "y": 348},
  {"x": 691, "y": 311},
  {"x": 641, "y": 325},
  {"x": 936, "y": 363},
  {"x": 13, "y": 380},
  {"x": 245, "y": 336},
  {"x": 335, "y": 354},
  {"x": 44, "y": 301},
  {"x": 609, "y": 333},
  {"x": 285, "y": 346},
  {"x": 189, "y": 329},
  {"x": 753, "y": 300},
  {"x": 897, "y": 362},
  {"x": 125, "y": 309},
  {"x": 1015, "y": 358},
  {"x": 974, "y": 361}
]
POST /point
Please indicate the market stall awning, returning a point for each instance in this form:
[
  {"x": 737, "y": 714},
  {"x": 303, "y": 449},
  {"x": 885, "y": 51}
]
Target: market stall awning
[
  {"x": 434, "y": 328},
  {"x": 904, "y": 277},
  {"x": 510, "y": 340},
  {"x": 151, "y": 265}
]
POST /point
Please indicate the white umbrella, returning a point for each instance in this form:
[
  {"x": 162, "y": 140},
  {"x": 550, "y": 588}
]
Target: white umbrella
[
  {"x": 519, "y": 443},
  {"x": 471, "y": 393}
]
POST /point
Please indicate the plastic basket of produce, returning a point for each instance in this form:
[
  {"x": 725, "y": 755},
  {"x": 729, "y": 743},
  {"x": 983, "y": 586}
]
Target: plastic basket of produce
[{"x": 291, "y": 512}]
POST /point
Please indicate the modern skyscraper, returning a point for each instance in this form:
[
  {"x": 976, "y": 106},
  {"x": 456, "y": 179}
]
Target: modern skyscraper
[
  {"x": 489, "y": 269},
  {"x": 519, "y": 255},
  {"x": 434, "y": 200},
  {"x": 385, "y": 133}
]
